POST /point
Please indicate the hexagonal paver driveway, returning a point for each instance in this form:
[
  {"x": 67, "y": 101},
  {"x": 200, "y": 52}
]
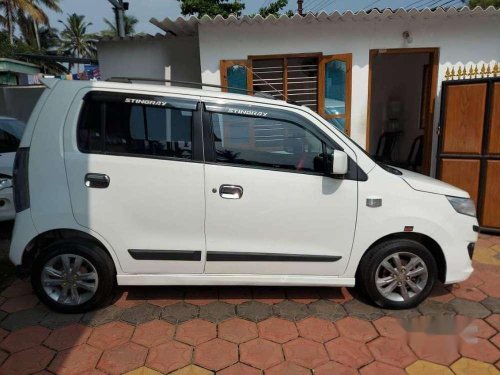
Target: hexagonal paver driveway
[{"x": 260, "y": 330}]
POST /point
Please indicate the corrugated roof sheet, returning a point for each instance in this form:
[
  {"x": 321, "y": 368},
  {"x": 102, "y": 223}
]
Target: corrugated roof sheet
[
  {"x": 133, "y": 37},
  {"x": 189, "y": 26}
]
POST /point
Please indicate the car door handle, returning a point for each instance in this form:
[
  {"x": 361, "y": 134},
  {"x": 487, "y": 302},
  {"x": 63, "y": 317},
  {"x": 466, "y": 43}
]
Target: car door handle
[
  {"x": 97, "y": 180},
  {"x": 230, "y": 191}
]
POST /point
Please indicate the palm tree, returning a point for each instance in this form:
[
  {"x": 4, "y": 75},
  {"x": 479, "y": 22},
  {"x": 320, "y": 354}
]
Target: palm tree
[
  {"x": 129, "y": 23},
  {"x": 28, "y": 8},
  {"x": 75, "y": 40}
]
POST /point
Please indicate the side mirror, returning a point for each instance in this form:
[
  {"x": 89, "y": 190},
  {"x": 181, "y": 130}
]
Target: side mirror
[{"x": 340, "y": 163}]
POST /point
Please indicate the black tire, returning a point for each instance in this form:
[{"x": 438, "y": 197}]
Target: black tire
[
  {"x": 101, "y": 261},
  {"x": 366, "y": 275}
]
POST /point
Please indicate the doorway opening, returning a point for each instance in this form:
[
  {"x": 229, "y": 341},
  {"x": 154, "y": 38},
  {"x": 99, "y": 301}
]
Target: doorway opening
[{"x": 402, "y": 89}]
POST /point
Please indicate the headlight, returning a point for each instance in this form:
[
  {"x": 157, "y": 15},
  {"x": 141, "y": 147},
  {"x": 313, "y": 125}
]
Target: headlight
[
  {"x": 5, "y": 183},
  {"x": 464, "y": 206}
]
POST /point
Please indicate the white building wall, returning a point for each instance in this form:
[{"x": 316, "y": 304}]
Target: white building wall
[
  {"x": 460, "y": 40},
  {"x": 162, "y": 58}
]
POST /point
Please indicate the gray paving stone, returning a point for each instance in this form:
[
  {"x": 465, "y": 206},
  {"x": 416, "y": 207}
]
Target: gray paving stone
[
  {"x": 492, "y": 304},
  {"x": 55, "y": 320},
  {"x": 217, "y": 312},
  {"x": 142, "y": 313},
  {"x": 407, "y": 314},
  {"x": 470, "y": 308},
  {"x": 327, "y": 310},
  {"x": 102, "y": 316},
  {"x": 431, "y": 307},
  {"x": 25, "y": 318},
  {"x": 362, "y": 310},
  {"x": 291, "y": 310},
  {"x": 179, "y": 312},
  {"x": 254, "y": 311}
]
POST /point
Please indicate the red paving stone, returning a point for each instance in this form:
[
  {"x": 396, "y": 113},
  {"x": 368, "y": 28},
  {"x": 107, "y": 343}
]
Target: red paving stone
[
  {"x": 392, "y": 351},
  {"x": 216, "y": 354},
  {"x": 496, "y": 340},
  {"x": 235, "y": 295},
  {"x": 3, "y": 333},
  {"x": 196, "y": 332},
  {"x": 17, "y": 288},
  {"x": 238, "y": 330},
  {"x": 125, "y": 301},
  {"x": 378, "y": 368},
  {"x": 75, "y": 361},
  {"x": 303, "y": 295},
  {"x": 356, "y": 329},
  {"x": 123, "y": 358},
  {"x": 349, "y": 352},
  {"x": 261, "y": 353},
  {"x": 335, "y": 368},
  {"x": 169, "y": 356},
  {"x": 317, "y": 329},
  {"x": 19, "y": 303},
  {"x": 24, "y": 338},
  {"x": 390, "y": 327},
  {"x": 479, "y": 328},
  {"x": 339, "y": 295},
  {"x": 494, "y": 321},
  {"x": 3, "y": 356},
  {"x": 440, "y": 349},
  {"x": 201, "y": 297},
  {"x": 268, "y": 295},
  {"x": 480, "y": 349},
  {"x": 277, "y": 330},
  {"x": 287, "y": 368},
  {"x": 466, "y": 292},
  {"x": 27, "y": 361},
  {"x": 153, "y": 333},
  {"x": 67, "y": 337},
  {"x": 239, "y": 369},
  {"x": 110, "y": 335},
  {"x": 306, "y": 353}
]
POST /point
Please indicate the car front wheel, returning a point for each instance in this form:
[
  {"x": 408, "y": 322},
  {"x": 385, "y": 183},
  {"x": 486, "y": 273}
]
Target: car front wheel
[{"x": 398, "y": 274}]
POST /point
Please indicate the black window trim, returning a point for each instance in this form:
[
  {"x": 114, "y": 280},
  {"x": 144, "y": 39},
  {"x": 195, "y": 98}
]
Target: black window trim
[
  {"x": 354, "y": 171},
  {"x": 192, "y": 105}
]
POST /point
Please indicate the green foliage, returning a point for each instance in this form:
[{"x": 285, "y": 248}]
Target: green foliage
[
  {"x": 75, "y": 40},
  {"x": 9, "y": 50},
  {"x": 211, "y": 7},
  {"x": 130, "y": 22},
  {"x": 484, "y": 3},
  {"x": 275, "y": 9},
  {"x": 32, "y": 9}
]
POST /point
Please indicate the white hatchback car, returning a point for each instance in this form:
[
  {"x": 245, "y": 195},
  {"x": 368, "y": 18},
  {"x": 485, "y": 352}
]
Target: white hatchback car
[{"x": 153, "y": 185}]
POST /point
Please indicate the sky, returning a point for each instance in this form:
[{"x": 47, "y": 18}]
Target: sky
[{"x": 96, "y": 10}]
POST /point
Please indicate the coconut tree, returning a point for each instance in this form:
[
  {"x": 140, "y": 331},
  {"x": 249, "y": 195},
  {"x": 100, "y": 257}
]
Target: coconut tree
[
  {"x": 28, "y": 8},
  {"x": 75, "y": 40},
  {"x": 129, "y": 23}
]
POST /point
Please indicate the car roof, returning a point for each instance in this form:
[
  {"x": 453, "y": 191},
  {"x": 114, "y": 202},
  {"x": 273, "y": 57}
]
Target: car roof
[{"x": 178, "y": 90}]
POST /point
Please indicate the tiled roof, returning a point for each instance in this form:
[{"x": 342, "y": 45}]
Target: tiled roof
[{"x": 189, "y": 26}]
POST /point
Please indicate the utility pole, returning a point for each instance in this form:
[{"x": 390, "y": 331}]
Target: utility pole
[
  {"x": 119, "y": 7},
  {"x": 299, "y": 7}
]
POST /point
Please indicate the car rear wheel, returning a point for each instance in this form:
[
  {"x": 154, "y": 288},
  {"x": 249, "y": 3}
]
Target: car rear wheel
[
  {"x": 73, "y": 276},
  {"x": 398, "y": 274}
]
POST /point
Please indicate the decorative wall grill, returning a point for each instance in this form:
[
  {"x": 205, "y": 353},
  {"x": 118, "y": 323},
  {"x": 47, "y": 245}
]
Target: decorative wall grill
[{"x": 472, "y": 71}]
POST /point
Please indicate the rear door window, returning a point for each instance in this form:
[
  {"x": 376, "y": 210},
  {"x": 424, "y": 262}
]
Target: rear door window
[{"x": 120, "y": 126}]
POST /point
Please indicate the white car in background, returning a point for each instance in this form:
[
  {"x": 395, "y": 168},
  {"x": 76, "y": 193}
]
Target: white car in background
[{"x": 11, "y": 132}]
